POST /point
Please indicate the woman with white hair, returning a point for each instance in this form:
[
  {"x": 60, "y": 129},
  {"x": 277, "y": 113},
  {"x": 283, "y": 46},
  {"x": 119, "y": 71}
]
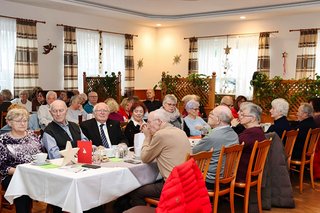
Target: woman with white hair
[
  {"x": 279, "y": 112},
  {"x": 169, "y": 108},
  {"x": 194, "y": 123}
]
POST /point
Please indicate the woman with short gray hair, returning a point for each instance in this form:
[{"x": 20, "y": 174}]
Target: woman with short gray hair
[
  {"x": 169, "y": 108},
  {"x": 279, "y": 110}
]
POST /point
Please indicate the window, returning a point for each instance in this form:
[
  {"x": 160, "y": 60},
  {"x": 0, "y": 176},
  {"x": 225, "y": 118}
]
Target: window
[
  {"x": 7, "y": 52},
  {"x": 235, "y": 71}
]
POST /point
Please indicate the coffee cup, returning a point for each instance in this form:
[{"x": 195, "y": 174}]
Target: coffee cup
[{"x": 40, "y": 158}]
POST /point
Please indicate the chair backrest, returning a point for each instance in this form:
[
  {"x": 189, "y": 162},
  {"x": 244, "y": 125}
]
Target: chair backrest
[
  {"x": 283, "y": 134},
  {"x": 291, "y": 137},
  {"x": 257, "y": 159},
  {"x": 228, "y": 162},
  {"x": 202, "y": 159},
  {"x": 310, "y": 144}
]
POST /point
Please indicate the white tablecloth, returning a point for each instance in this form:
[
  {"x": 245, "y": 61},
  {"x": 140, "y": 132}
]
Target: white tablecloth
[{"x": 77, "y": 192}]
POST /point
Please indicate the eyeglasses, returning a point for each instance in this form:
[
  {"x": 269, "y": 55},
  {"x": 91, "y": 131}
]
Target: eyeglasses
[
  {"x": 243, "y": 115},
  {"x": 169, "y": 104},
  {"x": 196, "y": 109},
  {"x": 102, "y": 110},
  {"x": 55, "y": 111},
  {"x": 20, "y": 121},
  {"x": 93, "y": 96}
]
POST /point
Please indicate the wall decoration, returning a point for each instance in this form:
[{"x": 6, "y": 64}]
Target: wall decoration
[
  {"x": 284, "y": 65},
  {"x": 140, "y": 63},
  {"x": 47, "y": 48},
  {"x": 176, "y": 59}
]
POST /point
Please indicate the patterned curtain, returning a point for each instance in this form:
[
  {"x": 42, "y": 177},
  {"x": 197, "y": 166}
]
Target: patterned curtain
[
  {"x": 306, "y": 58},
  {"x": 263, "y": 65},
  {"x": 70, "y": 59},
  {"x": 193, "y": 56},
  {"x": 26, "y": 71},
  {"x": 129, "y": 66}
]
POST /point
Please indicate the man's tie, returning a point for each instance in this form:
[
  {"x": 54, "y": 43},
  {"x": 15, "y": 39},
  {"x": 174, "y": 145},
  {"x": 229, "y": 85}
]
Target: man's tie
[{"x": 103, "y": 137}]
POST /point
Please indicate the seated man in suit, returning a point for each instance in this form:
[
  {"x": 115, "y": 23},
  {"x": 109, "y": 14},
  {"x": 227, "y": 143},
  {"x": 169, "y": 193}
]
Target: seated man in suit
[
  {"x": 101, "y": 130},
  {"x": 221, "y": 135},
  {"x": 59, "y": 131}
]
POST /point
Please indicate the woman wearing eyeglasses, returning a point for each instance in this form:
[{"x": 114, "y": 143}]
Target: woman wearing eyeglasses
[
  {"x": 193, "y": 122},
  {"x": 17, "y": 147},
  {"x": 249, "y": 117}
]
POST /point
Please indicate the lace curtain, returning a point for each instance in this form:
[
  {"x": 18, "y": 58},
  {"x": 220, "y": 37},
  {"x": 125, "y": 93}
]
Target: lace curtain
[
  {"x": 7, "y": 52},
  {"x": 26, "y": 71}
]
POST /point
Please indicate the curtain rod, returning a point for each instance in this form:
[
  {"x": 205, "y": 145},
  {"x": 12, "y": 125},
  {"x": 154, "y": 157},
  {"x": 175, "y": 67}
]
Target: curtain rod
[
  {"x": 82, "y": 28},
  {"x": 43, "y": 22},
  {"x": 295, "y": 30},
  {"x": 232, "y": 34}
]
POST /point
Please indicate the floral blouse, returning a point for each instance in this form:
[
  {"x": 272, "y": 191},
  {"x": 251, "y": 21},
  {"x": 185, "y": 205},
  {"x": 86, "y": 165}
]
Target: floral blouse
[{"x": 15, "y": 151}]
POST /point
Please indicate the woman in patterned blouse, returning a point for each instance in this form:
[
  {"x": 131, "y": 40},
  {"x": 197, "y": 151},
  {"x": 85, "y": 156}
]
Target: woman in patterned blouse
[{"x": 17, "y": 147}]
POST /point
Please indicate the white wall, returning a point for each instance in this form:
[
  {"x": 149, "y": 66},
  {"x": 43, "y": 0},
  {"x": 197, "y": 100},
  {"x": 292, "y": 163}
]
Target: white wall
[{"x": 157, "y": 46}]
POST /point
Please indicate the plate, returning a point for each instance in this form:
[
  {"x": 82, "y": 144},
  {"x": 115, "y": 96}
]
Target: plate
[{"x": 40, "y": 164}]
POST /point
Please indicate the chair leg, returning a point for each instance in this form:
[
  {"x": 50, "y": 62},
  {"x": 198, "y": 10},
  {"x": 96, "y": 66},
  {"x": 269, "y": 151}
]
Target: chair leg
[
  {"x": 301, "y": 178},
  {"x": 311, "y": 174},
  {"x": 215, "y": 203},
  {"x": 246, "y": 199},
  {"x": 259, "y": 196},
  {"x": 231, "y": 200}
]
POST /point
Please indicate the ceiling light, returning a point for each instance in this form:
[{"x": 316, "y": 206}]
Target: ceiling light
[
  {"x": 242, "y": 17},
  {"x": 158, "y": 25}
]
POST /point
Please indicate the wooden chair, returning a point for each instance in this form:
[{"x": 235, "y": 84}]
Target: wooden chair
[
  {"x": 309, "y": 148},
  {"x": 291, "y": 137},
  {"x": 202, "y": 159},
  {"x": 254, "y": 173},
  {"x": 2, "y": 119},
  {"x": 283, "y": 134},
  {"x": 230, "y": 157}
]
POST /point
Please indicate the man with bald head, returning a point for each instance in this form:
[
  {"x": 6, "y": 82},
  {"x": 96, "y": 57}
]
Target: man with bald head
[
  {"x": 221, "y": 135},
  {"x": 150, "y": 102},
  {"x": 101, "y": 130},
  {"x": 59, "y": 131}
]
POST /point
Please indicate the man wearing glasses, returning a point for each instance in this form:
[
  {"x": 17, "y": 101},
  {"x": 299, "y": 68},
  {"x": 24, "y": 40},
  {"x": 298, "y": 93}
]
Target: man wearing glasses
[
  {"x": 93, "y": 100},
  {"x": 101, "y": 130},
  {"x": 59, "y": 131}
]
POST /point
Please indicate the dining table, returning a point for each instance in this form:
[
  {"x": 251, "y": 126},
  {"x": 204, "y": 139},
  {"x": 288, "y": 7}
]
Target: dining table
[{"x": 75, "y": 188}]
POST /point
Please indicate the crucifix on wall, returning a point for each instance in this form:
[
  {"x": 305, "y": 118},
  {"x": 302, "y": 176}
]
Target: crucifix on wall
[{"x": 284, "y": 57}]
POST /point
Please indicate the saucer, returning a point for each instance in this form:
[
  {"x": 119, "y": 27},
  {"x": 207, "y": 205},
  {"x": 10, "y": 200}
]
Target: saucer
[{"x": 40, "y": 164}]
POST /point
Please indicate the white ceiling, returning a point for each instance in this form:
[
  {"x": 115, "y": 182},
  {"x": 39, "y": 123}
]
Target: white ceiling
[{"x": 175, "y": 12}]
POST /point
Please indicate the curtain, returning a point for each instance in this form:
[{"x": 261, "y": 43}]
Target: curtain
[
  {"x": 70, "y": 59},
  {"x": 88, "y": 54},
  {"x": 8, "y": 33},
  {"x": 264, "y": 54},
  {"x": 318, "y": 55},
  {"x": 193, "y": 56},
  {"x": 129, "y": 66},
  {"x": 242, "y": 62},
  {"x": 306, "y": 58},
  {"x": 26, "y": 71},
  {"x": 113, "y": 55}
]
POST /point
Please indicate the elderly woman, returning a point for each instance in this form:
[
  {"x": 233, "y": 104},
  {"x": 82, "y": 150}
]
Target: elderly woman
[
  {"x": 249, "y": 117},
  {"x": 169, "y": 108},
  {"x": 23, "y": 100},
  {"x": 17, "y": 147},
  {"x": 75, "y": 111},
  {"x": 114, "y": 110},
  {"x": 194, "y": 124},
  {"x": 134, "y": 126},
  {"x": 279, "y": 112}
]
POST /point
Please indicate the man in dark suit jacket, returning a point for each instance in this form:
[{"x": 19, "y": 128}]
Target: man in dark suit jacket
[
  {"x": 305, "y": 113},
  {"x": 92, "y": 128}
]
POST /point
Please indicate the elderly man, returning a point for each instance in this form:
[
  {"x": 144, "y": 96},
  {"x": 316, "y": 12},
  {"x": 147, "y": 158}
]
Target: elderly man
[
  {"x": 227, "y": 101},
  {"x": 23, "y": 100},
  {"x": 59, "y": 131},
  {"x": 150, "y": 102},
  {"x": 44, "y": 114},
  {"x": 92, "y": 101},
  {"x": 221, "y": 135},
  {"x": 306, "y": 122},
  {"x": 166, "y": 144},
  {"x": 101, "y": 130}
]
